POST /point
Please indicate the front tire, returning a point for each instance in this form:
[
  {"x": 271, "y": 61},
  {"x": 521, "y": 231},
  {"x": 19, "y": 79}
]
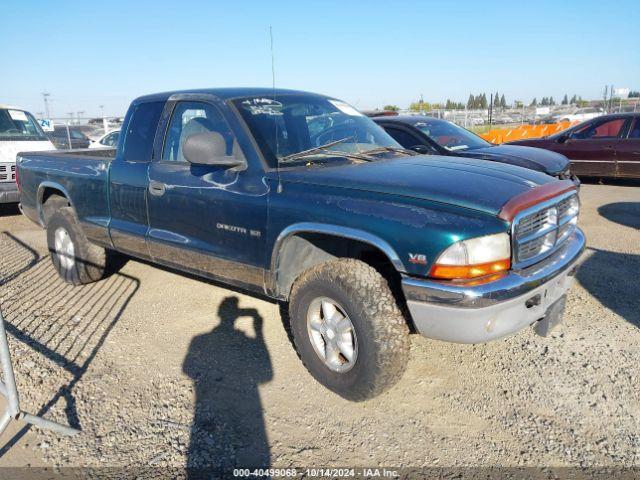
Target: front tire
[
  {"x": 348, "y": 329},
  {"x": 76, "y": 260}
]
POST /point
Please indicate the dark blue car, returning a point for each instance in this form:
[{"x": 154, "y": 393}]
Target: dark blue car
[{"x": 434, "y": 136}]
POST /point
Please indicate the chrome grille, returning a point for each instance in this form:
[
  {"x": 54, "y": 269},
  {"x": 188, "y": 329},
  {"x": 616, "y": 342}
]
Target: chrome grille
[
  {"x": 7, "y": 172},
  {"x": 539, "y": 231}
]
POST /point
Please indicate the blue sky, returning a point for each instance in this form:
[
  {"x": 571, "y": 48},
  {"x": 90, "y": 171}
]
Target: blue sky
[{"x": 368, "y": 53}]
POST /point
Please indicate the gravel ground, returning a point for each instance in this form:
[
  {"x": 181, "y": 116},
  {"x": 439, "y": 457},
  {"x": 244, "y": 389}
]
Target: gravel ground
[{"x": 159, "y": 369}]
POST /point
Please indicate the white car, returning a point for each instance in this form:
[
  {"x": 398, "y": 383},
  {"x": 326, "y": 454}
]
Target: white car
[
  {"x": 19, "y": 132},
  {"x": 108, "y": 140},
  {"x": 582, "y": 114}
]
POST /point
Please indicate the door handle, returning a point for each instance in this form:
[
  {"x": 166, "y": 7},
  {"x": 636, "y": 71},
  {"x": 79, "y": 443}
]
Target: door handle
[{"x": 156, "y": 188}]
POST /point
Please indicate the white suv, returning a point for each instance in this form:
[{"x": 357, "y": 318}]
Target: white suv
[
  {"x": 19, "y": 132},
  {"x": 582, "y": 114}
]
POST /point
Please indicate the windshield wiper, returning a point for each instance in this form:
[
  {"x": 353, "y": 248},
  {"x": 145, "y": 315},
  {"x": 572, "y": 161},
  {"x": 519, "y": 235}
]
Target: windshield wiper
[
  {"x": 390, "y": 149},
  {"x": 305, "y": 153},
  {"x": 323, "y": 150}
]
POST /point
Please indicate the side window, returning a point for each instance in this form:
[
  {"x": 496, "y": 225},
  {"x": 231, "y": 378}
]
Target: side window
[
  {"x": 110, "y": 140},
  {"x": 190, "y": 118},
  {"x": 77, "y": 135},
  {"x": 606, "y": 129},
  {"x": 138, "y": 144},
  {"x": 403, "y": 138}
]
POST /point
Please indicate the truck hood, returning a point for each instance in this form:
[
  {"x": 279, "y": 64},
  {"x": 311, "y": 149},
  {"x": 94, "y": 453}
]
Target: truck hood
[
  {"x": 9, "y": 149},
  {"x": 538, "y": 159},
  {"x": 465, "y": 182}
]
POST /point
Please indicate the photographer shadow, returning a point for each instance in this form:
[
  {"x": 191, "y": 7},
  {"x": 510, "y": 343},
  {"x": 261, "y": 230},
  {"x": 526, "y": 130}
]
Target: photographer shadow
[{"x": 227, "y": 366}]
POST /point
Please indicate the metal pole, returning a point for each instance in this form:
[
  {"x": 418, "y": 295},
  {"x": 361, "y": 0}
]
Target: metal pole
[
  {"x": 68, "y": 137},
  {"x": 10, "y": 392}
]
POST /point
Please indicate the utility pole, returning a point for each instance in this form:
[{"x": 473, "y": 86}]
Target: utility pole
[
  {"x": 45, "y": 96},
  {"x": 611, "y": 98},
  {"x": 105, "y": 124},
  {"x": 490, "y": 110}
]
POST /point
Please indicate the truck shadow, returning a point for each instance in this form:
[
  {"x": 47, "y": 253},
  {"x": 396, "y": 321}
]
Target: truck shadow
[
  {"x": 624, "y": 213},
  {"x": 227, "y": 366},
  {"x": 8, "y": 209},
  {"x": 66, "y": 324},
  {"x": 610, "y": 278}
]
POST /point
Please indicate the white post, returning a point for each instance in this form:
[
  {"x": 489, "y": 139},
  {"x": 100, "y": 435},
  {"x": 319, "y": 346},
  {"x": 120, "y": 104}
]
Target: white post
[{"x": 105, "y": 123}]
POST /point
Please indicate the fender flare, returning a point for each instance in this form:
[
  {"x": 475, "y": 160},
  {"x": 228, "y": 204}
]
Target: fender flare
[
  {"x": 329, "y": 229},
  {"x": 41, "y": 188}
]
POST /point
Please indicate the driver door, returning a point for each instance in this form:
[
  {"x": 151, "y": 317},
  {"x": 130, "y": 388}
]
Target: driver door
[
  {"x": 206, "y": 218},
  {"x": 591, "y": 148}
]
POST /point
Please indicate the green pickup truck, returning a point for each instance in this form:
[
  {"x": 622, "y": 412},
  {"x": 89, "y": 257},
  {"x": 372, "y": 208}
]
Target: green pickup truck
[{"x": 301, "y": 197}]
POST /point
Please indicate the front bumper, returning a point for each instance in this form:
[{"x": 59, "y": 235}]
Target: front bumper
[
  {"x": 475, "y": 314},
  {"x": 9, "y": 192}
]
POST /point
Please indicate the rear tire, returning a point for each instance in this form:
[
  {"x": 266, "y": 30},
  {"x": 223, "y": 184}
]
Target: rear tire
[
  {"x": 348, "y": 329},
  {"x": 76, "y": 260}
]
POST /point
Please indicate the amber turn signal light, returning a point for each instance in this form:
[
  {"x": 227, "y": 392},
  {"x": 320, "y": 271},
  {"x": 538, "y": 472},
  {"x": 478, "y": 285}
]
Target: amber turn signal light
[{"x": 451, "y": 272}]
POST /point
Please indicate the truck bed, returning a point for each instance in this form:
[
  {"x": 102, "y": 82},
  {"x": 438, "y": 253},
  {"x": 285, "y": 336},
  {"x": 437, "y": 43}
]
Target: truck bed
[{"x": 81, "y": 175}]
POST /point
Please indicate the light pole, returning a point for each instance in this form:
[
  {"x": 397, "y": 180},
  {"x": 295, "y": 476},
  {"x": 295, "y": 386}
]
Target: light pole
[{"x": 45, "y": 96}]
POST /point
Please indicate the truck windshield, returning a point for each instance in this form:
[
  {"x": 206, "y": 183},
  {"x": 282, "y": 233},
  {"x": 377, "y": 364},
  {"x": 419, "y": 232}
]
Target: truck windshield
[
  {"x": 295, "y": 129},
  {"x": 19, "y": 125},
  {"x": 451, "y": 136}
]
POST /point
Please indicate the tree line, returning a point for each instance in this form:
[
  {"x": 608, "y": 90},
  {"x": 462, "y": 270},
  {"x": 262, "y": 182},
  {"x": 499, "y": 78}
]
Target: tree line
[{"x": 480, "y": 102}]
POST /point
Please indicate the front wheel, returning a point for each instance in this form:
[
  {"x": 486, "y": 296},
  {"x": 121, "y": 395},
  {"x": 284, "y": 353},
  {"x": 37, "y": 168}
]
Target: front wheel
[{"x": 348, "y": 329}]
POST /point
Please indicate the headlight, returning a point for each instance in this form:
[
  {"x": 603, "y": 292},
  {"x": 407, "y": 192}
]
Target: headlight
[
  {"x": 574, "y": 206},
  {"x": 475, "y": 257}
]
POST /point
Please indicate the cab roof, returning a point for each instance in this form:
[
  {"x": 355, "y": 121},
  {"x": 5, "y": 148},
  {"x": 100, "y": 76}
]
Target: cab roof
[{"x": 226, "y": 93}]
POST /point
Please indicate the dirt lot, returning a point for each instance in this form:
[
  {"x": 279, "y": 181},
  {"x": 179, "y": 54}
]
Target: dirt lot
[{"x": 162, "y": 369}]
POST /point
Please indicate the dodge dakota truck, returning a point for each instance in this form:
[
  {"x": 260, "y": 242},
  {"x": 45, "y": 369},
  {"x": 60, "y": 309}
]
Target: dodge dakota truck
[{"x": 301, "y": 197}]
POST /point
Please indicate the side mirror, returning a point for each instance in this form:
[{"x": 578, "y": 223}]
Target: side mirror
[
  {"x": 421, "y": 149},
  {"x": 563, "y": 138},
  {"x": 209, "y": 148}
]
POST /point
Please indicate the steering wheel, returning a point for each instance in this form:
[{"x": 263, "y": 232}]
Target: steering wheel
[
  {"x": 450, "y": 141},
  {"x": 338, "y": 132},
  {"x": 13, "y": 130}
]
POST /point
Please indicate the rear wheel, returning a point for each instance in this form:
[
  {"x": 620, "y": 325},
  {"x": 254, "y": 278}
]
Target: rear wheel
[
  {"x": 76, "y": 260},
  {"x": 348, "y": 329}
]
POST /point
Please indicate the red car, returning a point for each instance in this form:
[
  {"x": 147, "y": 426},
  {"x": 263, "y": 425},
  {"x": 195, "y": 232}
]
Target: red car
[{"x": 607, "y": 146}]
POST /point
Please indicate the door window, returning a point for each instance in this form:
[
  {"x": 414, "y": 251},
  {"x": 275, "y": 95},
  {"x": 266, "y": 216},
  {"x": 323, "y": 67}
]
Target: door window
[
  {"x": 111, "y": 139},
  {"x": 190, "y": 118},
  {"x": 602, "y": 129}
]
